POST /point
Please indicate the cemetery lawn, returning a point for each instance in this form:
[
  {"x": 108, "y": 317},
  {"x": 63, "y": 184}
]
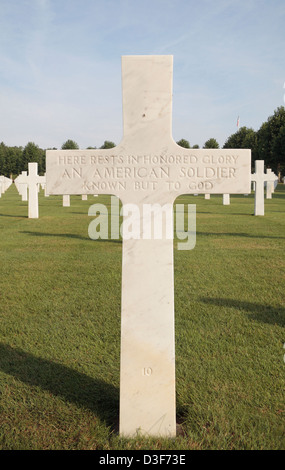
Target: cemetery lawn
[{"x": 60, "y": 328}]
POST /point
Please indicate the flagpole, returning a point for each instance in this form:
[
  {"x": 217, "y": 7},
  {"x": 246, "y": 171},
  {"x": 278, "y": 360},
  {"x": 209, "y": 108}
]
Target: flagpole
[{"x": 238, "y": 123}]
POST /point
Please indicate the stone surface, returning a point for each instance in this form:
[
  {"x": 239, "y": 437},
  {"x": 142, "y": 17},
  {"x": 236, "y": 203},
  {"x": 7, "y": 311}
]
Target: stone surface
[{"x": 148, "y": 167}]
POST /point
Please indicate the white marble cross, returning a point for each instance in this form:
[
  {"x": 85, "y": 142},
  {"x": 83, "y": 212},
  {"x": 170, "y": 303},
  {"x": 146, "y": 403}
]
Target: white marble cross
[
  {"x": 148, "y": 168},
  {"x": 270, "y": 184},
  {"x": 32, "y": 180},
  {"x": 43, "y": 185},
  {"x": 22, "y": 187},
  {"x": 259, "y": 177}
]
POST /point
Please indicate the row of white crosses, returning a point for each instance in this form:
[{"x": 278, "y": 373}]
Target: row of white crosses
[
  {"x": 259, "y": 179},
  {"x": 5, "y": 183},
  {"x": 24, "y": 181},
  {"x": 30, "y": 182}
]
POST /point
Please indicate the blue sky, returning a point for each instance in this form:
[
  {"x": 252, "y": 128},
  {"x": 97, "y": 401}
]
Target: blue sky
[{"x": 60, "y": 66}]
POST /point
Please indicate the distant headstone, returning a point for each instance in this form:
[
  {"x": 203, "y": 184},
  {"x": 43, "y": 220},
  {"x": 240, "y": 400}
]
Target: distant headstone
[
  {"x": 22, "y": 187},
  {"x": 66, "y": 200},
  {"x": 43, "y": 185},
  {"x": 148, "y": 168},
  {"x": 207, "y": 196},
  {"x": 33, "y": 180},
  {"x": 259, "y": 177},
  {"x": 270, "y": 184},
  {"x": 226, "y": 199}
]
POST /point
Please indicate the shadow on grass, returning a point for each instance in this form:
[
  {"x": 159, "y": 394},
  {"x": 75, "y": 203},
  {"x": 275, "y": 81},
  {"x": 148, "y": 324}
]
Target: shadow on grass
[
  {"x": 15, "y": 216},
  {"x": 61, "y": 235},
  {"x": 258, "y": 312},
  {"x": 87, "y": 392},
  {"x": 68, "y": 235},
  {"x": 237, "y": 234}
]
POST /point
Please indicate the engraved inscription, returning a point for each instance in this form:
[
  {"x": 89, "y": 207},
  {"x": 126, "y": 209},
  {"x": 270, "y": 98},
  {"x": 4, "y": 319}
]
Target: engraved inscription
[
  {"x": 147, "y": 371},
  {"x": 204, "y": 171}
]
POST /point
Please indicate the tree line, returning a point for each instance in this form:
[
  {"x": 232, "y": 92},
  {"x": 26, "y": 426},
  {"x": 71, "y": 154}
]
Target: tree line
[{"x": 268, "y": 144}]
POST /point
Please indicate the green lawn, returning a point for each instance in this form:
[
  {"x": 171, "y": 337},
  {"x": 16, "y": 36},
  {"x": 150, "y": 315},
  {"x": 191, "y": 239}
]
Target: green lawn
[{"x": 60, "y": 328}]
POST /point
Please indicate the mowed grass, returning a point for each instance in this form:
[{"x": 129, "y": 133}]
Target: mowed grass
[{"x": 60, "y": 328}]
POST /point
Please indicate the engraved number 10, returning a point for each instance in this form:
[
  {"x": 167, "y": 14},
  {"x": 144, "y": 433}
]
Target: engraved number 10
[{"x": 147, "y": 371}]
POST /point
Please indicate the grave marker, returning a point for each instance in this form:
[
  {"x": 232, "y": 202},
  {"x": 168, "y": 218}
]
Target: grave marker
[
  {"x": 44, "y": 187},
  {"x": 22, "y": 187},
  {"x": 270, "y": 184},
  {"x": 32, "y": 180},
  {"x": 148, "y": 167},
  {"x": 259, "y": 178},
  {"x": 66, "y": 200},
  {"x": 226, "y": 199}
]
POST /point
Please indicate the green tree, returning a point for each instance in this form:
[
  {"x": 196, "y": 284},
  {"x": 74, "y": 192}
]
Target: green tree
[
  {"x": 108, "y": 145},
  {"x": 244, "y": 138},
  {"x": 278, "y": 150},
  {"x": 3, "y": 158},
  {"x": 211, "y": 144},
  {"x": 183, "y": 143},
  {"x": 15, "y": 158},
  {"x": 70, "y": 145},
  {"x": 270, "y": 141},
  {"x": 32, "y": 153}
]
